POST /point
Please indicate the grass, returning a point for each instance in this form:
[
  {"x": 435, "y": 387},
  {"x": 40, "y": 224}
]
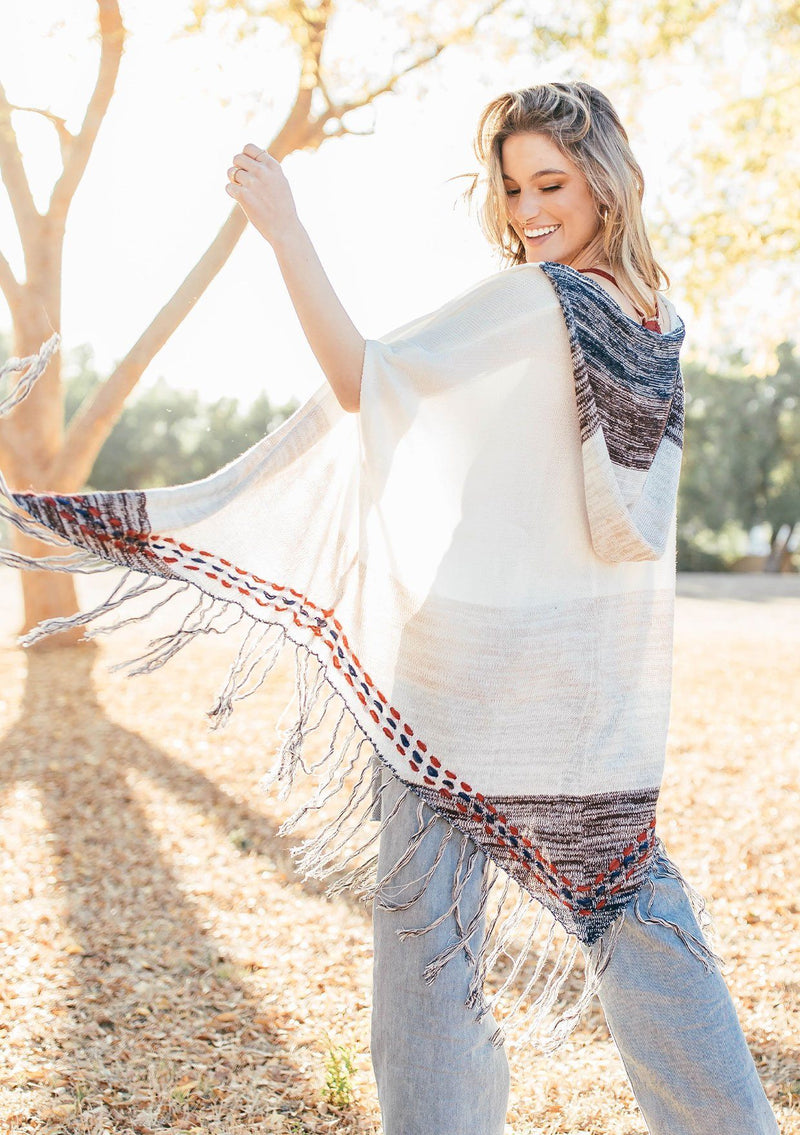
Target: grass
[{"x": 339, "y": 1076}]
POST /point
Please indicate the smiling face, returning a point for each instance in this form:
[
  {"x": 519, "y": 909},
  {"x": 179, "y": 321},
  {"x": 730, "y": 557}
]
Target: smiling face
[{"x": 545, "y": 190}]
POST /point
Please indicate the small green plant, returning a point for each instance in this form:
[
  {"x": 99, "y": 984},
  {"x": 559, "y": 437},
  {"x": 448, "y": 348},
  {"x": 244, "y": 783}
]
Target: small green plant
[
  {"x": 81, "y": 1091},
  {"x": 339, "y": 1073}
]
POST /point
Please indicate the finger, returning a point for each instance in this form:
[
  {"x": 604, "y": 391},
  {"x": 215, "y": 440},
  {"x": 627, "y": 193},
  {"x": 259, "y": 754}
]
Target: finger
[
  {"x": 247, "y": 163},
  {"x": 237, "y": 174},
  {"x": 255, "y": 152}
]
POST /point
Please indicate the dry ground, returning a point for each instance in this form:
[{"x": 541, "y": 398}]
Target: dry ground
[{"x": 162, "y": 969}]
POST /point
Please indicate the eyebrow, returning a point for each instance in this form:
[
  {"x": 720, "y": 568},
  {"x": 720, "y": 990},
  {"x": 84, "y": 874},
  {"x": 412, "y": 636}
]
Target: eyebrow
[{"x": 539, "y": 173}]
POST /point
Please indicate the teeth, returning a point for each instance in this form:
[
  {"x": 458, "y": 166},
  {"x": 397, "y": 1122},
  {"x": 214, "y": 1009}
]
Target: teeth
[{"x": 540, "y": 232}]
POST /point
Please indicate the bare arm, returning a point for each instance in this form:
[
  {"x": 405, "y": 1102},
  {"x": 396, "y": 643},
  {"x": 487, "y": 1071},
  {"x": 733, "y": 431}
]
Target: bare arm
[
  {"x": 257, "y": 182},
  {"x": 332, "y": 336}
]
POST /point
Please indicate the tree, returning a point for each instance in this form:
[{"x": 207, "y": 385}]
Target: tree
[
  {"x": 36, "y": 449},
  {"x": 741, "y": 464}
]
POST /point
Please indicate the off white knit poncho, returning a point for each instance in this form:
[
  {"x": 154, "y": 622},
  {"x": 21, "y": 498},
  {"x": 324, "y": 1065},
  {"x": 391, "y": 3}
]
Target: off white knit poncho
[{"x": 477, "y": 571}]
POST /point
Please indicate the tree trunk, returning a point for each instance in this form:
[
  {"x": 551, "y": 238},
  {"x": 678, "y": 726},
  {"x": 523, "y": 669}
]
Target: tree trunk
[
  {"x": 35, "y": 429},
  {"x": 779, "y": 558},
  {"x": 46, "y": 594}
]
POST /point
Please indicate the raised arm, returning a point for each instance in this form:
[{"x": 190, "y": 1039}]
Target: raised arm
[{"x": 261, "y": 189}]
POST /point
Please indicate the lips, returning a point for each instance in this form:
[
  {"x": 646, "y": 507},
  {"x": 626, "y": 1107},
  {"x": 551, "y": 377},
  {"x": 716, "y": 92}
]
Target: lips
[{"x": 540, "y": 239}]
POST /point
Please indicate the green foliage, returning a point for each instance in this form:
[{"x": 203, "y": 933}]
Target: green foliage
[
  {"x": 339, "y": 1073},
  {"x": 166, "y": 436},
  {"x": 741, "y": 458}
]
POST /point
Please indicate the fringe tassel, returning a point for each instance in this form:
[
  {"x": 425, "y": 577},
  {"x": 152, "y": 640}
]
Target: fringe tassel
[
  {"x": 260, "y": 648},
  {"x": 698, "y": 903},
  {"x": 475, "y": 991},
  {"x": 423, "y": 879},
  {"x": 33, "y": 366},
  {"x": 324, "y": 791},
  {"x": 201, "y": 619},
  {"x": 459, "y": 882},
  {"x": 464, "y": 935},
  {"x": 78, "y": 561},
  {"x": 104, "y": 628},
  {"x": 702, "y": 950},
  {"x": 520, "y": 960},
  {"x": 116, "y": 599}
]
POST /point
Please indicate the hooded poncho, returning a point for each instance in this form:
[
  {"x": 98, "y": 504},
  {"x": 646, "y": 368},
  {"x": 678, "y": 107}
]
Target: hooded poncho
[{"x": 480, "y": 565}]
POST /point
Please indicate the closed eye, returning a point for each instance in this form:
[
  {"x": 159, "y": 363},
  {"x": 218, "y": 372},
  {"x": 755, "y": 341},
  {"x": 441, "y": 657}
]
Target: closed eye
[{"x": 546, "y": 189}]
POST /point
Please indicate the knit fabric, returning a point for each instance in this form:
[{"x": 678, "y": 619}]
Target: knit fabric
[{"x": 480, "y": 564}]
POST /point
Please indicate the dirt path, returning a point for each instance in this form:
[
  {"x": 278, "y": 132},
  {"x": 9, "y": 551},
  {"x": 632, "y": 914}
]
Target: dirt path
[{"x": 164, "y": 970}]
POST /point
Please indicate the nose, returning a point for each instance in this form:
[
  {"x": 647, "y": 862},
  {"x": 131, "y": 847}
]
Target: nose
[{"x": 526, "y": 206}]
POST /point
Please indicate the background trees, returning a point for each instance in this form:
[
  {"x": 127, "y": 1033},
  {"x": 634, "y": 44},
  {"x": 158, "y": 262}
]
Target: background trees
[{"x": 741, "y": 464}]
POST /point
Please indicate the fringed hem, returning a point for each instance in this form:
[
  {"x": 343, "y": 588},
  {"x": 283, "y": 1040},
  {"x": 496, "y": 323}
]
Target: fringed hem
[
  {"x": 348, "y": 772},
  {"x": 506, "y": 942}
]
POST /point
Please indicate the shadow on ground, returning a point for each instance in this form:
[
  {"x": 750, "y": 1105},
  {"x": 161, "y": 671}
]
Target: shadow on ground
[{"x": 120, "y": 1043}]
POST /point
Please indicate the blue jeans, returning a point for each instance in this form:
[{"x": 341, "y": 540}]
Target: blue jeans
[{"x": 671, "y": 1017}]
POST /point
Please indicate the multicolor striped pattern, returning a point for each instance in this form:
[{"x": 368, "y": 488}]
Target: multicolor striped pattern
[{"x": 629, "y": 393}]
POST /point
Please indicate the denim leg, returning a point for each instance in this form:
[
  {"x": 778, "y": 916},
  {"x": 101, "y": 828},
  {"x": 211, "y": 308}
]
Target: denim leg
[
  {"x": 675, "y": 1024},
  {"x": 434, "y": 1065}
]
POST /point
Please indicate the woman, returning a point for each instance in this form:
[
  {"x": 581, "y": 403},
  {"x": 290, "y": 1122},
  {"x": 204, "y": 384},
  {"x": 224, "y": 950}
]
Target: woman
[
  {"x": 563, "y": 186},
  {"x": 478, "y": 567}
]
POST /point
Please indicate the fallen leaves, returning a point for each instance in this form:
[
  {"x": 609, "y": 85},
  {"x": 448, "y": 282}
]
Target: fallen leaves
[{"x": 163, "y": 970}]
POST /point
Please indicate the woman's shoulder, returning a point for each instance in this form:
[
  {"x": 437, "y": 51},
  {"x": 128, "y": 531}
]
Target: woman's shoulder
[
  {"x": 667, "y": 315},
  {"x": 666, "y": 312}
]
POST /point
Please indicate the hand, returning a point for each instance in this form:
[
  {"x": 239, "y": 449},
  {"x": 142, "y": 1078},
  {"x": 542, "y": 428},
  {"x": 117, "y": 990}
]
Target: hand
[{"x": 261, "y": 188}]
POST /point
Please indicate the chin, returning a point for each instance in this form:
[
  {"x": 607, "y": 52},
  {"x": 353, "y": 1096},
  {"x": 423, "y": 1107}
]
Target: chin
[
  {"x": 552, "y": 253},
  {"x": 538, "y": 257}
]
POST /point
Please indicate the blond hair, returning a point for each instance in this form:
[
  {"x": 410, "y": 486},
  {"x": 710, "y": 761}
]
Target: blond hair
[{"x": 581, "y": 121}]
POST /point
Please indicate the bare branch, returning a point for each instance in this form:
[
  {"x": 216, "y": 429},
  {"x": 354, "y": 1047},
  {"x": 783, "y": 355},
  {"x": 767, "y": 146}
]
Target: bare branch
[
  {"x": 10, "y": 285},
  {"x": 65, "y": 137},
  {"x": 78, "y": 151},
  {"x": 337, "y": 111},
  {"x": 315, "y": 22},
  {"x": 26, "y": 214},
  {"x": 341, "y": 130},
  {"x": 90, "y": 426}
]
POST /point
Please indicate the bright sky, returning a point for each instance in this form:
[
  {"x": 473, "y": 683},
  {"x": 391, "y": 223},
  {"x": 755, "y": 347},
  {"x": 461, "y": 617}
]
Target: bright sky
[{"x": 378, "y": 208}]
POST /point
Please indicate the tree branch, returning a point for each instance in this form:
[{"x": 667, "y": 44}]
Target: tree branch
[
  {"x": 90, "y": 426},
  {"x": 77, "y": 151},
  {"x": 26, "y": 214},
  {"x": 64, "y": 135},
  {"x": 336, "y": 111},
  {"x": 10, "y": 285}
]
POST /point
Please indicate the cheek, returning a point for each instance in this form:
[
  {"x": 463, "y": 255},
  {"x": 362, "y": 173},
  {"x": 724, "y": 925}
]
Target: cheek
[{"x": 583, "y": 208}]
